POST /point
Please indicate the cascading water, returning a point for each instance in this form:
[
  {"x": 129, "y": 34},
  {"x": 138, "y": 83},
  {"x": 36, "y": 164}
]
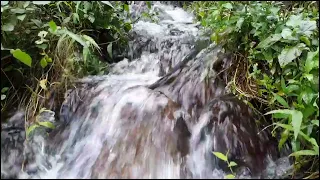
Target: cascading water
[{"x": 159, "y": 115}]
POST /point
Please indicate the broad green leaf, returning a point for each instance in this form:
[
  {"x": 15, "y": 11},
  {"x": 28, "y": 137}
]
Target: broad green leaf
[
  {"x": 307, "y": 27},
  {"x": 315, "y": 122},
  {"x": 31, "y": 128},
  {"x": 289, "y": 54},
  {"x": 107, "y": 3},
  {"x": 227, "y": 5},
  {"x": 109, "y": 49},
  {"x": 269, "y": 41},
  {"x": 292, "y": 87},
  {"x": 52, "y": 26},
  {"x": 239, "y": 23},
  {"x": 229, "y": 176},
  {"x": 307, "y": 95},
  {"x": 311, "y": 61},
  {"x": 284, "y": 137},
  {"x": 7, "y": 27},
  {"x": 232, "y": 163},
  {"x": 5, "y": 89},
  {"x": 304, "y": 153},
  {"x": 41, "y": 2},
  {"x": 47, "y": 124},
  {"x": 287, "y": 34},
  {"x": 22, "y": 56},
  {"x": 18, "y": 10},
  {"x": 43, "y": 62},
  {"x": 43, "y": 84},
  {"x": 21, "y": 17},
  {"x": 282, "y": 101},
  {"x": 294, "y": 20},
  {"x": 220, "y": 156}
]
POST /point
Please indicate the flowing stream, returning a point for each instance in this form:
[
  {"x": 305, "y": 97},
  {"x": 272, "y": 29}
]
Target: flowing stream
[{"x": 158, "y": 114}]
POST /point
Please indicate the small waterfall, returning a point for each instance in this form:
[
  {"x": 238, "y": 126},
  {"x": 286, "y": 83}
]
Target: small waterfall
[{"x": 158, "y": 114}]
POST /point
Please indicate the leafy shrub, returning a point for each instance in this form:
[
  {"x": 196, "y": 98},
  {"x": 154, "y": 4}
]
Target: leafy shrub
[
  {"x": 276, "y": 62},
  {"x": 56, "y": 42}
]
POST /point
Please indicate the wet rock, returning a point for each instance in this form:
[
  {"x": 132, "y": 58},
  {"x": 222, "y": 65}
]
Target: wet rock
[
  {"x": 12, "y": 139},
  {"x": 227, "y": 124}
]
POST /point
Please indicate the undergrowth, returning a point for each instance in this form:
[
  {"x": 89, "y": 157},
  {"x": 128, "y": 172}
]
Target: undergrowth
[
  {"x": 46, "y": 45},
  {"x": 275, "y": 63}
]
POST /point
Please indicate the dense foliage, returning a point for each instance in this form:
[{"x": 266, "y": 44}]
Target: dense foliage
[
  {"x": 276, "y": 62},
  {"x": 45, "y": 45}
]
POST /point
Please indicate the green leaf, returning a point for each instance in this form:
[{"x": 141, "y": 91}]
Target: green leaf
[
  {"x": 287, "y": 34},
  {"x": 294, "y": 20},
  {"x": 91, "y": 19},
  {"x": 307, "y": 95},
  {"x": 229, "y": 176},
  {"x": 47, "y": 124},
  {"x": 292, "y": 87},
  {"x": 22, "y": 56},
  {"x": 7, "y": 27},
  {"x": 281, "y": 100},
  {"x": 220, "y": 156},
  {"x": 239, "y": 23},
  {"x": 126, "y": 7},
  {"x": 305, "y": 40},
  {"x": 232, "y": 163},
  {"x": 287, "y": 55},
  {"x": 148, "y": 4},
  {"x": 18, "y": 10},
  {"x": 3, "y": 3},
  {"x": 304, "y": 153},
  {"x": 315, "y": 122},
  {"x": 284, "y": 137},
  {"x": 21, "y": 17},
  {"x": 42, "y": 46},
  {"x": 41, "y": 2},
  {"x": 43, "y": 62},
  {"x": 311, "y": 61},
  {"x": 5, "y": 89},
  {"x": 85, "y": 53},
  {"x": 307, "y": 27},
  {"x": 296, "y": 122},
  {"x": 227, "y": 5},
  {"x": 52, "y": 26},
  {"x": 3, "y": 97},
  {"x": 31, "y": 128},
  {"x": 269, "y": 41},
  {"x": 296, "y": 117},
  {"x": 107, "y": 3},
  {"x": 92, "y": 41},
  {"x": 77, "y": 38},
  {"x": 109, "y": 49}
]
